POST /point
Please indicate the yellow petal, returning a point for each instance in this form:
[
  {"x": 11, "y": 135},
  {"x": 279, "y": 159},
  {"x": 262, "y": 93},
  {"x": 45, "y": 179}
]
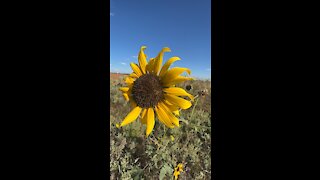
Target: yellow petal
[
  {"x": 171, "y": 106},
  {"x": 150, "y": 121},
  {"x": 133, "y": 115},
  {"x": 182, "y": 103},
  {"x": 177, "y": 80},
  {"x": 163, "y": 117},
  {"x": 136, "y": 69},
  {"x": 133, "y": 75},
  {"x": 173, "y": 73},
  {"x": 169, "y": 114},
  {"x": 124, "y": 89},
  {"x": 142, "y": 58},
  {"x": 129, "y": 81},
  {"x": 150, "y": 65},
  {"x": 158, "y": 60},
  {"x": 143, "y": 116},
  {"x": 126, "y": 96},
  {"x": 178, "y": 92},
  {"x": 167, "y": 65},
  {"x": 167, "y": 102},
  {"x": 177, "y": 113}
]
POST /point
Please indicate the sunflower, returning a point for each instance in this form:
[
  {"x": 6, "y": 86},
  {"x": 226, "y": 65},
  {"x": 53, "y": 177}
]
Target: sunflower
[
  {"x": 177, "y": 171},
  {"x": 151, "y": 91}
]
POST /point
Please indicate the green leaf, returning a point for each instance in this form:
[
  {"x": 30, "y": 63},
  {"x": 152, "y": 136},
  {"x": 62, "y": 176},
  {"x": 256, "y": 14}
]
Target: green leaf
[
  {"x": 166, "y": 169},
  {"x": 162, "y": 173},
  {"x": 137, "y": 174}
]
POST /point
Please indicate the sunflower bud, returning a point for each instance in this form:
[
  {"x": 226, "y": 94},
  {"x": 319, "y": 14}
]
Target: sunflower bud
[
  {"x": 188, "y": 87},
  {"x": 203, "y": 92}
]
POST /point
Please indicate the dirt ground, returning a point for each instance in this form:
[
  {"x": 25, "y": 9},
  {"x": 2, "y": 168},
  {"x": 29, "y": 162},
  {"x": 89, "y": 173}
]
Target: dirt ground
[{"x": 116, "y": 76}]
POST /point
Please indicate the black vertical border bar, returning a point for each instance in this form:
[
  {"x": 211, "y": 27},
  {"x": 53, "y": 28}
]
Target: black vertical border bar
[
  {"x": 103, "y": 90},
  {"x": 217, "y": 57}
]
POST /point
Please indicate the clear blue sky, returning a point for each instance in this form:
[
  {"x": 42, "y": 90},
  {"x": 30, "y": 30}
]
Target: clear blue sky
[{"x": 182, "y": 25}]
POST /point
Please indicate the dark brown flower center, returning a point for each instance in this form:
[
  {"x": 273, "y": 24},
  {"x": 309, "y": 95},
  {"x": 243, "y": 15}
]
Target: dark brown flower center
[{"x": 147, "y": 91}]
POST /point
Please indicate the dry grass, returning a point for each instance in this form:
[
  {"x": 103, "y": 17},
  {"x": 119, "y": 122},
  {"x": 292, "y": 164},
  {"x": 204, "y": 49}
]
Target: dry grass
[{"x": 135, "y": 157}]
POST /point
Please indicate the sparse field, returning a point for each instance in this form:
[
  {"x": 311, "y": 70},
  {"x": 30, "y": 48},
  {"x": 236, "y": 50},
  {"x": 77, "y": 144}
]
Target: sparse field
[
  {"x": 135, "y": 157},
  {"x": 117, "y": 76}
]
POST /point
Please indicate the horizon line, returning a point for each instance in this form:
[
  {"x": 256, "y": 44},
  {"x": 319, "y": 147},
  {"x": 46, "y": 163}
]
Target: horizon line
[{"x": 197, "y": 78}]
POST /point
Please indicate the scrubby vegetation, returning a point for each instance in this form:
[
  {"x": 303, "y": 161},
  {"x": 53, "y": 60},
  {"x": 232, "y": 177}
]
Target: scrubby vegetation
[{"x": 135, "y": 157}]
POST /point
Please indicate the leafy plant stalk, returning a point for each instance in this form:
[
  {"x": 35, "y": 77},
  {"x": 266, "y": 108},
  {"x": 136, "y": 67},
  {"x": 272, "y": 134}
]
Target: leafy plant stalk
[{"x": 195, "y": 104}]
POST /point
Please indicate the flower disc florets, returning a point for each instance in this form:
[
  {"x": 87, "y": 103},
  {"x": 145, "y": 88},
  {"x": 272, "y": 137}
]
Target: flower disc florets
[{"x": 147, "y": 91}]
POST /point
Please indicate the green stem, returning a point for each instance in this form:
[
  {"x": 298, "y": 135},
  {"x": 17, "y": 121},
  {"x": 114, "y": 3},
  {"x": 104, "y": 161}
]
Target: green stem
[
  {"x": 164, "y": 130},
  {"x": 195, "y": 104}
]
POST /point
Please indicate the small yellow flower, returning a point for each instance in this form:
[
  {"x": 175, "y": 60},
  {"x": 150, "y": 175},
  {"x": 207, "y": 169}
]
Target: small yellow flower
[
  {"x": 176, "y": 174},
  {"x": 177, "y": 171},
  {"x": 152, "y": 93},
  {"x": 118, "y": 125},
  {"x": 172, "y": 138}
]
